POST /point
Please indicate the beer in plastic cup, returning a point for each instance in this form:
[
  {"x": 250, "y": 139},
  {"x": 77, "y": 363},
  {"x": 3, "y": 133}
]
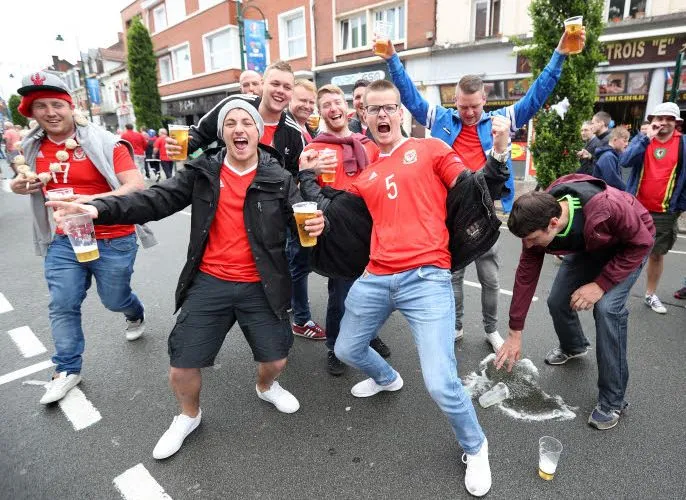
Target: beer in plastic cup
[
  {"x": 303, "y": 211},
  {"x": 330, "y": 176},
  {"x": 180, "y": 134},
  {"x": 61, "y": 194},
  {"x": 382, "y": 35},
  {"x": 79, "y": 228},
  {"x": 549, "y": 450},
  {"x": 572, "y": 41},
  {"x": 313, "y": 121}
]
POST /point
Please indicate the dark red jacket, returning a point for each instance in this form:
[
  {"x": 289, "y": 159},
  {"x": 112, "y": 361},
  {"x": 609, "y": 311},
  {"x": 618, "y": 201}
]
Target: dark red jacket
[{"x": 612, "y": 219}]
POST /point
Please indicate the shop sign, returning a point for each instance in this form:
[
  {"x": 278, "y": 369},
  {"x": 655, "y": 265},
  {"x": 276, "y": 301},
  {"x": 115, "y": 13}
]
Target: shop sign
[
  {"x": 350, "y": 79},
  {"x": 648, "y": 50}
]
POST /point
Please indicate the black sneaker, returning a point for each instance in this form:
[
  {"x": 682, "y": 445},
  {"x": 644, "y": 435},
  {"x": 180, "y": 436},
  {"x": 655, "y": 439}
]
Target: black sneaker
[
  {"x": 378, "y": 345},
  {"x": 602, "y": 420},
  {"x": 559, "y": 357},
  {"x": 334, "y": 365}
]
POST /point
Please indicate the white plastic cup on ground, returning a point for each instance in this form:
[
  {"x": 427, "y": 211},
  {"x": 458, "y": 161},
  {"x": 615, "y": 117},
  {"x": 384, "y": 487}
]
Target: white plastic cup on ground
[
  {"x": 499, "y": 392},
  {"x": 79, "y": 228},
  {"x": 549, "y": 450}
]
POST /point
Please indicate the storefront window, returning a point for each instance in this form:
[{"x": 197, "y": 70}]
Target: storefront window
[{"x": 621, "y": 9}]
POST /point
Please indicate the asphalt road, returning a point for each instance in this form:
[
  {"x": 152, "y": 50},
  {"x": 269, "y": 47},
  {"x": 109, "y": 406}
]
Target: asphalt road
[{"x": 392, "y": 446}]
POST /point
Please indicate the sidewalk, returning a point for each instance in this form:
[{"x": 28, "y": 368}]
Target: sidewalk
[{"x": 524, "y": 186}]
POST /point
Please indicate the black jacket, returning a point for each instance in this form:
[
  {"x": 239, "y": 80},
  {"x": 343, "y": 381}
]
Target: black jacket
[
  {"x": 288, "y": 139},
  {"x": 267, "y": 213},
  {"x": 343, "y": 252}
]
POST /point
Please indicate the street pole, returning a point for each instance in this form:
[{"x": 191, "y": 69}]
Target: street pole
[
  {"x": 241, "y": 32},
  {"x": 677, "y": 75},
  {"x": 85, "y": 87}
]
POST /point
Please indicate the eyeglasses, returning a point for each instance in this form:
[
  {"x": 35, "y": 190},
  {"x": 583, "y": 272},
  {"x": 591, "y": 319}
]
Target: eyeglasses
[{"x": 389, "y": 109}]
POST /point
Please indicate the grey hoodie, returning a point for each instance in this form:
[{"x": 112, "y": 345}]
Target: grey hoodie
[{"x": 98, "y": 145}]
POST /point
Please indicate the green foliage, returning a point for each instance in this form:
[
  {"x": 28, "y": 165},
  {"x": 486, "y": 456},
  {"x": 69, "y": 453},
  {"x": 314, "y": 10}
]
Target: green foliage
[
  {"x": 17, "y": 117},
  {"x": 556, "y": 140},
  {"x": 142, "y": 66}
]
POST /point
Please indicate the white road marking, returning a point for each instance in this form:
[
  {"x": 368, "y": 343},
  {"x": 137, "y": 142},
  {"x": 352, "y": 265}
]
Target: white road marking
[
  {"x": 27, "y": 342},
  {"x": 25, "y": 371},
  {"x": 80, "y": 412},
  {"x": 185, "y": 213},
  {"x": 681, "y": 236},
  {"x": 137, "y": 484},
  {"x": 677, "y": 251},
  {"x": 502, "y": 290},
  {"x": 5, "y": 305}
]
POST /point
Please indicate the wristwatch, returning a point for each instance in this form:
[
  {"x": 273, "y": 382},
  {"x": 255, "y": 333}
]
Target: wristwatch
[{"x": 501, "y": 157}]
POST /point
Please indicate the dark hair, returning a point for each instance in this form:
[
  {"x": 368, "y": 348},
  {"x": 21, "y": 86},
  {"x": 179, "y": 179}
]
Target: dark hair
[
  {"x": 129, "y": 126},
  {"x": 360, "y": 83},
  {"x": 645, "y": 122},
  {"x": 381, "y": 86},
  {"x": 471, "y": 84},
  {"x": 532, "y": 211},
  {"x": 603, "y": 117}
]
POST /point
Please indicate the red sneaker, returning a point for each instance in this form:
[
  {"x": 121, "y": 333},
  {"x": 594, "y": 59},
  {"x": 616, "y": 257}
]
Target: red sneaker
[
  {"x": 309, "y": 330},
  {"x": 680, "y": 294}
]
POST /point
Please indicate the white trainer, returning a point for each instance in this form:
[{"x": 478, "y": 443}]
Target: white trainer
[
  {"x": 495, "y": 340},
  {"x": 59, "y": 386},
  {"x": 134, "y": 329},
  {"x": 173, "y": 438},
  {"x": 477, "y": 477},
  {"x": 368, "y": 387},
  {"x": 459, "y": 334},
  {"x": 284, "y": 401},
  {"x": 654, "y": 302}
]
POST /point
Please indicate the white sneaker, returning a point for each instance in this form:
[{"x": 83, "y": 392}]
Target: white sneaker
[
  {"x": 134, "y": 329},
  {"x": 173, "y": 438},
  {"x": 655, "y": 304},
  {"x": 495, "y": 340},
  {"x": 59, "y": 386},
  {"x": 368, "y": 387},
  {"x": 477, "y": 478},
  {"x": 284, "y": 401},
  {"x": 459, "y": 334}
]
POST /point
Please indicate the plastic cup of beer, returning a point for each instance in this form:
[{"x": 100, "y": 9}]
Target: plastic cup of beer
[
  {"x": 79, "y": 228},
  {"x": 572, "y": 42},
  {"x": 313, "y": 121},
  {"x": 61, "y": 194},
  {"x": 382, "y": 35},
  {"x": 329, "y": 175},
  {"x": 303, "y": 211},
  {"x": 180, "y": 134},
  {"x": 549, "y": 450}
]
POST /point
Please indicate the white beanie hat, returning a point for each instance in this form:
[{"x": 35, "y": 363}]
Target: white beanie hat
[{"x": 239, "y": 103}]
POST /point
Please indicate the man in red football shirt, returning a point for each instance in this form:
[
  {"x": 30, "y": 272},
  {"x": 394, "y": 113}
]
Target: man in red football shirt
[
  {"x": 93, "y": 163},
  {"x": 160, "y": 150},
  {"x": 353, "y": 152},
  {"x": 409, "y": 270},
  {"x": 236, "y": 269},
  {"x": 658, "y": 180},
  {"x": 138, "y": 143}
]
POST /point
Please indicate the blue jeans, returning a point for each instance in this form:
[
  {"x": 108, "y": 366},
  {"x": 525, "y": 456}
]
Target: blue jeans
[
  {"x": 299, "y": 266},
  {"x": 68, "y": 280},
  {"x": 338, "y": 291},
  {"x": 611, "y": 320},
  {"x": 425, "y": 297}
]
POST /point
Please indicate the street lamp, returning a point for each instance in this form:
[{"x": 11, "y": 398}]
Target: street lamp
[
  {"x": 676, "y": 81},
  {"x": 240, "y": 11},
  {"x": 83, "y": 70}
]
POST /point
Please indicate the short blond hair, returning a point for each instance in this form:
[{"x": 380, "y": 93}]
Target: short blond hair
[
  {"x": 307, "y": 84},
  {"x": 381, "y": 86},
  {"x": 278, "y": 65},
  {"x": 329, "y": 89},
  {"x": 619, "y": 133}
]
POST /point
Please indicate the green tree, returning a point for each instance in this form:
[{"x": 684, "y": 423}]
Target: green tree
[
  {"x": 17, "y": 117},
  {"x": 556, "y": 141},
  {"x": 143, "y": 76}
]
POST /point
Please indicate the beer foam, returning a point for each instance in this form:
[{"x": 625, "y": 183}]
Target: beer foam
[{"x": 527, "y": 400}]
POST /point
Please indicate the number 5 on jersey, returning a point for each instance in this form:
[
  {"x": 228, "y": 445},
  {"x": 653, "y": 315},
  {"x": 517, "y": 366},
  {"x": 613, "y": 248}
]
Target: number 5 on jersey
[{"x": 391, "y": 187}]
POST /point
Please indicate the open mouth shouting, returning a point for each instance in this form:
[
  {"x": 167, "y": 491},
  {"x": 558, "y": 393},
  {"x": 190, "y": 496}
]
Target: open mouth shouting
[
  {"x": 383, "y": 127},
  {"x": 240, "y": 144}
]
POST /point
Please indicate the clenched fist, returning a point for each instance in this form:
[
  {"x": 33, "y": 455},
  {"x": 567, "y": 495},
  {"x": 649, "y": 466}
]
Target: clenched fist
[{"x": 500, "y": 128}]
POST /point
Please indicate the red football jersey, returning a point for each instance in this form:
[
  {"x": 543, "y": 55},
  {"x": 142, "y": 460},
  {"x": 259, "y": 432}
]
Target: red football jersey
[
  {"x": 405, "y": 193},
  {"x": 343, "y": 181}
]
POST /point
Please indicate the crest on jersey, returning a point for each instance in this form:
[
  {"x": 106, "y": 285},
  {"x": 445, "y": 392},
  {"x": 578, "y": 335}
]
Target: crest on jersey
[
  {"x": 37, "y": 79},
  {"x": 410, "y": 157},
  {"x": 660, "y": 153},
  {"x": 79, "y": 153},
  {"x": 373, "y": 176}
]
